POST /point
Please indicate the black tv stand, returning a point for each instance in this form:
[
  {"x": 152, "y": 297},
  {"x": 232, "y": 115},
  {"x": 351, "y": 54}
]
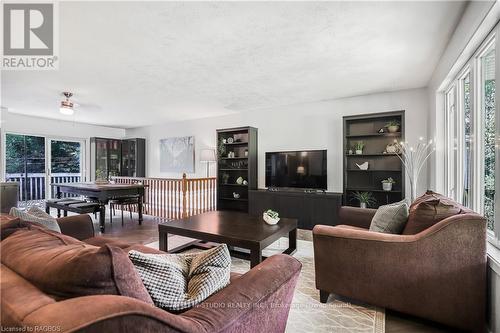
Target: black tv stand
[
  {"x": 296, "y": 190},
  {"x": 310, "y": 208}
]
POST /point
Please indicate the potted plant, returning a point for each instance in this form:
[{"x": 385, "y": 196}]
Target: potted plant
[
  {"x": 365, "y": 199},
  {"x": 271, "y": 217},
  {"x": 387, "y": 184},
  {"x": 358, "y": 147},
  {"x": 393, "y": 126}
]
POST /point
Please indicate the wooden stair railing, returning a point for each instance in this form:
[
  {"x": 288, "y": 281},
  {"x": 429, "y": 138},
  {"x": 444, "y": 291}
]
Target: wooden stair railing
[{"x": 175, "y": 198}]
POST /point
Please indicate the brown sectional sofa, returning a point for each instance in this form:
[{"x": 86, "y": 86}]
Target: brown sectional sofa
[
  {"x": 438, "y": 273},
  {"x": 257, "y": 301}
]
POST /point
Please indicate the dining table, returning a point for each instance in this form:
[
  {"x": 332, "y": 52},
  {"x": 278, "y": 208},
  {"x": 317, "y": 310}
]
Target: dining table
[{"x": 102, "y": 193}]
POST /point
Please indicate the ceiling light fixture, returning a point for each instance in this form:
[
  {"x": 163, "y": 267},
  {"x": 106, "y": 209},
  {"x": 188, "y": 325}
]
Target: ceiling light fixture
[{"x": 67, "y": 105}]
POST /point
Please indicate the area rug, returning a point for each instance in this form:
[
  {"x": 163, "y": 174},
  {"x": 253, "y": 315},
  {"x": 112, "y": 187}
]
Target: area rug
[{"x": 307, "y": 314}]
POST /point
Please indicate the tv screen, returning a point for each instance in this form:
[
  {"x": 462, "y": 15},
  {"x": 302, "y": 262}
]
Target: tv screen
[{"x": 297, "y": 169}]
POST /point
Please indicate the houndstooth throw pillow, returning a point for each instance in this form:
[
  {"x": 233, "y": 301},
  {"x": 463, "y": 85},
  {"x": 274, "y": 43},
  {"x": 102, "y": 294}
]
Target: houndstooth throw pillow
[{"x": 181, "y": 281}]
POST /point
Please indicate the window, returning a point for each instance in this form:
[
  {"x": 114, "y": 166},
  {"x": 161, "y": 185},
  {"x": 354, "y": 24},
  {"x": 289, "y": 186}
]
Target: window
[
  {"x": 451, "y": 140},
  {"x": 473, "y": 137},
  {"x": 487, "y": 102},
  {"x": 466, "y": 140}
]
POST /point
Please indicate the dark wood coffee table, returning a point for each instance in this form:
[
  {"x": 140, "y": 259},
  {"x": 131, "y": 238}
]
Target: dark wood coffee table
[{"x": 233, "y": 228}]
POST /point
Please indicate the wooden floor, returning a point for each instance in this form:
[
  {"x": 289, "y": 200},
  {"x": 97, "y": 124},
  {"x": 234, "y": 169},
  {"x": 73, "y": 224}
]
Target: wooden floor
[{"x": 146, "y": 233}]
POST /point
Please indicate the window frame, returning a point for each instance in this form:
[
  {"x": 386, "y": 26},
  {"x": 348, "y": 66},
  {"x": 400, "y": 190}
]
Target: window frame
[{"x": 456, "y": 179}]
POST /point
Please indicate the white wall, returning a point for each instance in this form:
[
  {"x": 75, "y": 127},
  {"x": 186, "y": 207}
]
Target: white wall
[
  {"x": 20, "y": 124},
  {"x": 305, "y": 126}
]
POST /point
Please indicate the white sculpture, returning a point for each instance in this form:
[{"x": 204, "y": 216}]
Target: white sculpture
[{"x": 363, "y": 166}]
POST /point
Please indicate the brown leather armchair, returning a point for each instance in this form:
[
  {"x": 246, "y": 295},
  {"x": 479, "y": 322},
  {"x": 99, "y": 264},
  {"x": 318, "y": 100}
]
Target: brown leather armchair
[{"x": 437, "y": 274}]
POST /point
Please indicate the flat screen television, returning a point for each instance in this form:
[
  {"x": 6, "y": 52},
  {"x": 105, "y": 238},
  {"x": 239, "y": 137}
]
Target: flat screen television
[{"x": 296, "y": 169}]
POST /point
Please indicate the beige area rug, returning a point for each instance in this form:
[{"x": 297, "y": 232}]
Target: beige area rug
[{"x": 307, "y": 314}]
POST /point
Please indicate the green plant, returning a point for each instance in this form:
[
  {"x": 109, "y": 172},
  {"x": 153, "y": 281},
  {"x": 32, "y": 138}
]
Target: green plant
[
  {"x": 389, "y": 180},
  {"x": 393, "y": 122},
  {"x": 359, "y": 145},
  {"x": 365, "y": 197},
  {"x": 221, "y": 149},
  {"x": 272, "y": 214}
]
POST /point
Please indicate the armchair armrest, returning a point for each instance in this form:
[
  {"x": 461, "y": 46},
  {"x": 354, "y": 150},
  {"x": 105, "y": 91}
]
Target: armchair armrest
[
  {"x": 355, "y": 216},
  {"x": 77, "y": 226}
]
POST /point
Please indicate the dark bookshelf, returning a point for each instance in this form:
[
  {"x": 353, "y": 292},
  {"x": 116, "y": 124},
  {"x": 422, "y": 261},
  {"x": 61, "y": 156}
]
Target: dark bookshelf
[
  {"x": 380, "y": 165},
  {"x": 243, "y": 164}
]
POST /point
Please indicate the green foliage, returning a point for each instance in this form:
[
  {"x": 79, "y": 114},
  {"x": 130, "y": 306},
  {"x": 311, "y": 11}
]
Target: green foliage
[
  {"x": 393, "y": 122},
  {"x": 26, "y": 154},
  {"x": 272, "y": 214},
  {"x": 489, "y": 152},
  {"x": 65, "y": 157},
  {"x": 389, "y": 180},
  {"x": 221, "y": 149},
  {"x": 364, "y": 197},
  {"x": 359, "y": 145}
]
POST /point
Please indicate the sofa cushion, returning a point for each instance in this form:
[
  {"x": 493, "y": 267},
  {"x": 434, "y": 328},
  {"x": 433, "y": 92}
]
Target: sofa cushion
[
  {"x": 35, "y": 214},
  {"x": 430, "y": 209},
  {"x": 65, "y": 267},
  {"x": 391, "y": 218},
  {"x": 180, "y": 281}
]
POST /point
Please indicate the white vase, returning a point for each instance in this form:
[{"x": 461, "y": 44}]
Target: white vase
[
  {"x": 387, "y": 186},
  {"x": 362, "y": 204},
  {"x": 359, "y": 152}
]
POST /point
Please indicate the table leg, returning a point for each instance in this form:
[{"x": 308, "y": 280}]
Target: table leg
[
  {"x": 58, "y": 196},
  {"x": 292, "y": 240},
  {"x": 102, "y": 216},
  {"x": 139, "y": 208},
  {"x": 163, "y": 241},
  {"x": 255, "y": 257}
]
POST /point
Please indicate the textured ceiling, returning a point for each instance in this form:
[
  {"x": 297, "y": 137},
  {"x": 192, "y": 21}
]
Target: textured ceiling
[{"x": 139, "y": 63}]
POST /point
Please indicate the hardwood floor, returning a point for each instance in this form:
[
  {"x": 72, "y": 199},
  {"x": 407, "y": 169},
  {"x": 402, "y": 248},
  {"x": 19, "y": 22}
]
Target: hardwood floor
[{"x": 146, "y": 233}]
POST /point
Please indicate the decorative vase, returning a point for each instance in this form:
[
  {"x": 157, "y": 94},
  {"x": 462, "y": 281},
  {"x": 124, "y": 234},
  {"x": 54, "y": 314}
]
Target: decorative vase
[
  {"x": 246, "y": 153},
  {"x": 350, "y": 152},
  {"x": 359, "y": 152},
  {"x": 393, "y": 129},
  {"x": 387, "y": 186},
  {"x": 362, "y": 204}
]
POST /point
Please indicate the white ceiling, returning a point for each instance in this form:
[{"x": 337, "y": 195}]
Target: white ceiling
[{"x": 139, "y": 63}]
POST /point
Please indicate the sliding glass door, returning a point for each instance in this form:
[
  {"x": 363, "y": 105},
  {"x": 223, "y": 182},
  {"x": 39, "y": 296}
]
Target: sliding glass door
[
  {"x": 65, "y": 162},
  {"x": 35, "y": 162},
  {"x": 25, "y": 164}
]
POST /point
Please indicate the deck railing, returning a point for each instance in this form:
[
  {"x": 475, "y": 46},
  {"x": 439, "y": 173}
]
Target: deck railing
[
  {"x": 175, "y": 198},
  {"x": 32, "y": 186}
]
